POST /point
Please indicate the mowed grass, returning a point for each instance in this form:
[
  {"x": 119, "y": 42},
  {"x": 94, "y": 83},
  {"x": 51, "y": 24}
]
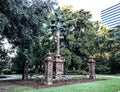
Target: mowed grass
[{"x": 109, "y": 85}]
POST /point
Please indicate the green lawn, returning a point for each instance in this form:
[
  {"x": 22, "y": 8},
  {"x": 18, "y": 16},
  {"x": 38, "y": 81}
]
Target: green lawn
[{"x": 109, "y": 85}]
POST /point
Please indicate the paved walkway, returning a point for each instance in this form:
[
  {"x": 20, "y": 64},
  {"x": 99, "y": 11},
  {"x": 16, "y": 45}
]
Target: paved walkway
[
  {"x": 11, "y": 77},
  {"x": 110, "y": 76},
  {"x": 5, "y": 85}
]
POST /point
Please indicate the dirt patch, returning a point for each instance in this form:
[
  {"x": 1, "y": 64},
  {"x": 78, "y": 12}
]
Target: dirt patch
[
  {"x": 40, "y": 84},
  {"x": 5, "y": 86}
]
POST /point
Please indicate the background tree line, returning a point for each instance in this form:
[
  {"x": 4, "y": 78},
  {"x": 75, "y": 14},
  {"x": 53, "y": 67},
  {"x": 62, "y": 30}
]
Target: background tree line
[{"x": 25, "y": 25}]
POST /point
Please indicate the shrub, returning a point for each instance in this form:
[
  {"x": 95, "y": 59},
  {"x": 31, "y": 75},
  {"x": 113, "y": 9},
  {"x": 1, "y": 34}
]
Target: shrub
[
  {"x": 115, "y": 64},
  {"x": 6, "y": 71},
  {"x": 2, "y": 76},
  {"x": 77, "y": 72},
  {"x": 102, "y": 69}
]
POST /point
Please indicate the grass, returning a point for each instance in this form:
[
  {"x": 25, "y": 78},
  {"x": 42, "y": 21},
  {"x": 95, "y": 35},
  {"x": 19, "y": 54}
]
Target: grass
[{"x": 109, "y": 85}]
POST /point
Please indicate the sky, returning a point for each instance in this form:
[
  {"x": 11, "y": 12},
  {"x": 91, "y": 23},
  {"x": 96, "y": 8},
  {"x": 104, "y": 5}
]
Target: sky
[{"x": 94, "y": 6}]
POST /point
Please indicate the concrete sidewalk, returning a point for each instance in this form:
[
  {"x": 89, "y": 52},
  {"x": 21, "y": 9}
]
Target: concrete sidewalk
[
  {"x": 11, "y": 77},
  {"x": 110, "y": 76}
]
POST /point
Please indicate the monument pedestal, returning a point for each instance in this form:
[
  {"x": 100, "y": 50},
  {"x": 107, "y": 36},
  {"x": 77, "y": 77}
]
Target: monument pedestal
[{"x": 59, "y": 62}]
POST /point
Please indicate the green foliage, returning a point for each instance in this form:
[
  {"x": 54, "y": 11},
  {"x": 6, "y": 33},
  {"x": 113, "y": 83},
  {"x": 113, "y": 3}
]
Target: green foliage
[
  {"x": 3, "y": 53},
  {"x": 102, "y": 69},
  {"x": 67, "y": 55},
  {"x": 3, "y": 22},
  {"x": 115, "y": 63},
  {"x": 79, "y": 36},
  {"x": 76, "y": 72},
  {"x": 6, "y": 71},
  {"x": 76, "y": 61},
  {"x": 2, "y": 76},
  {"x": 4, "y": 58},
  {"x": 85, "y": 38},
  {"x": 25, "y": 23},
  {"x": 21, "y": 22},
  {"x": 18, "y": 63}
]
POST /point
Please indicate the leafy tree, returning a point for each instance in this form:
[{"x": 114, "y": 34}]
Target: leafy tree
[
  {"x": 107, "y": 45},
  {"x": 78, "y": 37},
  {"x": 25, "y": 24},
  {"x": 115, "y": 43},
  {"x": 114, "y": 49},
  {"x": 3, "y": 53}
]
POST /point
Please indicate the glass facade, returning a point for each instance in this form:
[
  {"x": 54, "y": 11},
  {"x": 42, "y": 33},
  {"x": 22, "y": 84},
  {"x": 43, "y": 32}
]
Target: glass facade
[{"x": 111, "y": 16}]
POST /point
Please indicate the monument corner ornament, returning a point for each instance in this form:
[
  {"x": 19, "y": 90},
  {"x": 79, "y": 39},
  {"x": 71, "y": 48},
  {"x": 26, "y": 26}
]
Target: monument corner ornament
[
  {"x": 91, "y": 65},
  {"x": 49, "y": 69}
]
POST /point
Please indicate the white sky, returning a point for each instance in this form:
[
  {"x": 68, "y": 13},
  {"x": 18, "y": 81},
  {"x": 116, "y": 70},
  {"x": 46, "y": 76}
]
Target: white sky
[{"x": 94, "y": 6}]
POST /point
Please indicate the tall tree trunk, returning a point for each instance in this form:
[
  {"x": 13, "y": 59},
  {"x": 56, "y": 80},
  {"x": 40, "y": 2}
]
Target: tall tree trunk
[{"x": 25, "y": 70}]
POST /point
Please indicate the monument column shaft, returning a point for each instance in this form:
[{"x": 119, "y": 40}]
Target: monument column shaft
[{"x": 58, "y": 43}]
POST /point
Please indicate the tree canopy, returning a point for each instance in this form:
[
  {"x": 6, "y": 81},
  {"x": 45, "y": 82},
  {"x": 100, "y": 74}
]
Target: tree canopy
[{"x": 22, "y": 24}]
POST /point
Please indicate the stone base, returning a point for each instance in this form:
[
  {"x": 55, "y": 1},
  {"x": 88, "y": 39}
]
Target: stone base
[
  {"x": 48, "y": 83},
  {"x": 92, "y": 77},
  {"x": 59, "y": 76}
]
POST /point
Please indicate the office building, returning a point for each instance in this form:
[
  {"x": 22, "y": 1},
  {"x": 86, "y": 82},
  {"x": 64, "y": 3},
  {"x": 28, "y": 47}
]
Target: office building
[{"x": 111, "y": 16}]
